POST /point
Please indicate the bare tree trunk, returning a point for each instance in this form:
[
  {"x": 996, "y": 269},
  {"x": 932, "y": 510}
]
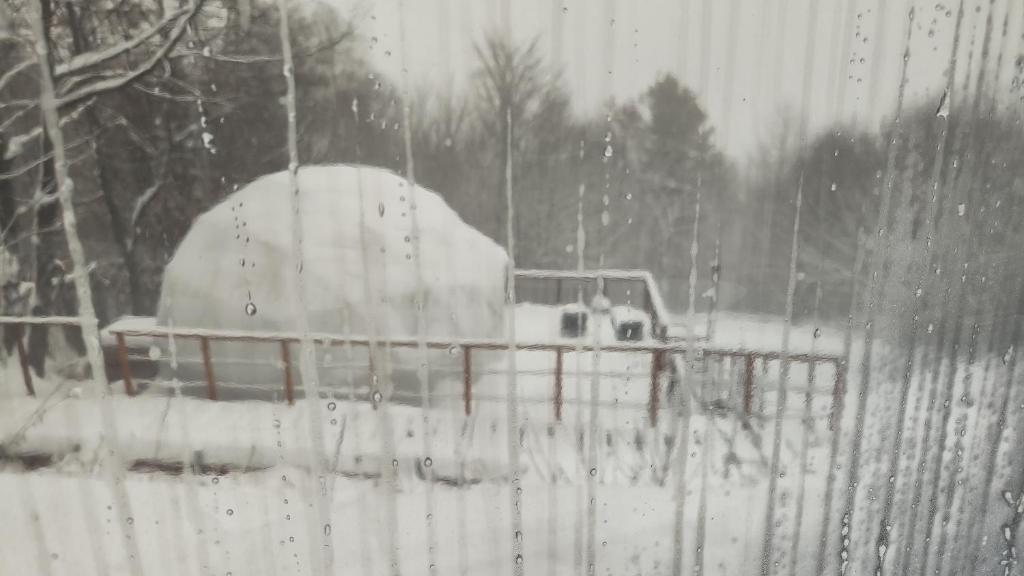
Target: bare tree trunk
[
  {"x": 51, "y": 294},
  {"x": 117, "y": 221},
  {"x": 46, "y": 215},
  {"x": 7, "y": 229},
  {"x": 118, "y": 227}
]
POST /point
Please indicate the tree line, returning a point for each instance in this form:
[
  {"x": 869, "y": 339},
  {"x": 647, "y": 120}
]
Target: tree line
[{"x": 170, "y": 106}]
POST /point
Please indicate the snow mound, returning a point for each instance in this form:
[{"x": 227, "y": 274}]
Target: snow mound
[{"x": 235, "y": 270}]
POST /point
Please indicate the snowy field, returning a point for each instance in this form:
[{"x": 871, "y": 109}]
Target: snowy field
[{"x": 192, "y": 486}]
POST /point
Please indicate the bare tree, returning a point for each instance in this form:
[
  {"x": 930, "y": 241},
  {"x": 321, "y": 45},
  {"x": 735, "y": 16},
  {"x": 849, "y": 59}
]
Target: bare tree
[
  {"x": 81, "y": 72},
  {"x": 509, "y": 85}
]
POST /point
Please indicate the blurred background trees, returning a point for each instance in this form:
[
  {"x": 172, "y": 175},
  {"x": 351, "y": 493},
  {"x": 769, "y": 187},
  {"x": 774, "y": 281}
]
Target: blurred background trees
[{"x": 170, "y": 106}]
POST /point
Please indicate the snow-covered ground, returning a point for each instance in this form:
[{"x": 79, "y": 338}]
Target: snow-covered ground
[{"x": 600, "y": 491}]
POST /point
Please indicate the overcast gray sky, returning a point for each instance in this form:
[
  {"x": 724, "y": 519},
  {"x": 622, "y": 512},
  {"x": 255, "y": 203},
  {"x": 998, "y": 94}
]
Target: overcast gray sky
[{"x": 746, "y": 59}]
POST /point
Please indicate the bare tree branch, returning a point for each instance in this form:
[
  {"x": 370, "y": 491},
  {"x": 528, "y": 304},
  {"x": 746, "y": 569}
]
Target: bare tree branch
[
  {"x": 16, "y": 145},
  {"x": 255, "y": 58},
  {"x": 18, "y": 68},
  {"x": 143, "y": 201},
  {"x": 14, "y": 117},
  {"x": 76, "y": 81},
  {"x": 118, "y": 82},
  {"x": 85, "y": 61},
  {"x": 22, "y": 170},
  {"x": 118, "y": 119}
]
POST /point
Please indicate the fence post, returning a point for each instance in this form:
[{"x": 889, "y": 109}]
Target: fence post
[
  {"x": 467, "y": 379},
  {"x": 26, "y": 372},
  {"x": 289, "y": 386},
  {"x": 558, "y": 384},
  {"x": 211, "y": 386},
  {"x": 126, "y": 370},
  {"x": 652, "y": 406},
  {"x": 748, "y": 385}
]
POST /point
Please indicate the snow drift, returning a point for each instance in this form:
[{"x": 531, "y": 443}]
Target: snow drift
[{"x": 235, "y": 270}]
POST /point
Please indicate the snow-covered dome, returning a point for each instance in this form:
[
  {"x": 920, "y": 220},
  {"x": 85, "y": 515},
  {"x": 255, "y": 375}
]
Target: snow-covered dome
[{"x": 235, "y": 270}]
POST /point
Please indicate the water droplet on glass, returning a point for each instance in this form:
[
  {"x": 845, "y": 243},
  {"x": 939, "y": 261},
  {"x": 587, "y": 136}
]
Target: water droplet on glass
[
  {"x": 332, "y": 406},
  {"x": 427, "y": 462},
  {"x": 377, "y": 396},
  {"x": 380, "y": 209},
  {"x": 230, "y": 512},
  {"x": 250, "y": 309}
]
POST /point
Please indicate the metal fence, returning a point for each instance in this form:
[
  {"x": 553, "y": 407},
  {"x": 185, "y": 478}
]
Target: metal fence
[{"x": 666, "y": 360}]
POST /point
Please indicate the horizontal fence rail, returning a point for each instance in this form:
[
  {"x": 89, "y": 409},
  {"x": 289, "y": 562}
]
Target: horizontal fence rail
[
  {"x": 665, "y": 357},
  {"x": 19, "y": 323},
  {"x": 657, "y": 352}
]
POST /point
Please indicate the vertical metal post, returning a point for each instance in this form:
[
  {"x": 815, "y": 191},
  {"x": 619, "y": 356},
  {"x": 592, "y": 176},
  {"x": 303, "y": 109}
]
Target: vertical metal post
[
  {"x": 558, "y": 292},
  {"x": 126, "y": 370},
  {"x": 652, "y": 406},
  {"x": 748, "y": 385},
  {"x": 467, "y": 379},
  {"x": 289, "y": 385},
  {"x": 558, "y": 384},
  {"x": 26, "y": 372},
  {"x": 211, "y": 386}
]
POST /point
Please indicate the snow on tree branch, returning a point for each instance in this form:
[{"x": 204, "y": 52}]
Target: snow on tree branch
[
  {"x": 14, "y": 71},
  {"x": 143, "y": 201},
  {"x": 16, "y": 144},
  {"x": 117, "y": 82},
  {"x": 82, "y": 62}
]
